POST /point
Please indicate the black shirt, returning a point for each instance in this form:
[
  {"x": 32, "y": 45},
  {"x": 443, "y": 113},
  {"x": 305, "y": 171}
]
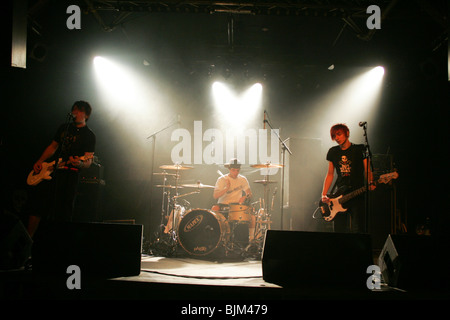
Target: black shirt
[
  {"x": 74, "y": 142},
  {"x": 349, "y": 166}
]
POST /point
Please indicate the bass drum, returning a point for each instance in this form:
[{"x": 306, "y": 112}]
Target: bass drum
[{"x": 202, "y": 231}]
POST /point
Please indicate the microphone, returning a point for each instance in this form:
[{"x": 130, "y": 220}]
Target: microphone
[
  {"x": 265, "y": 119},
  {"x": 362, "y": 123},
  {"x": 71, "y": 116}
]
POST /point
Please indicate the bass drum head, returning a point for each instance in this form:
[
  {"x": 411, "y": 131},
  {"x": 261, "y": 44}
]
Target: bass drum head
[{"x": 201, "y": 231}]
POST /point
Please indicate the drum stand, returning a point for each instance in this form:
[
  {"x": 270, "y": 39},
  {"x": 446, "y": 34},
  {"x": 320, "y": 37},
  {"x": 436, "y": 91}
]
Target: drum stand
[
  {"x": 263, "y": 216},
  {"x": 233, "y": 245},
  {"x": 167, "y": 243}
]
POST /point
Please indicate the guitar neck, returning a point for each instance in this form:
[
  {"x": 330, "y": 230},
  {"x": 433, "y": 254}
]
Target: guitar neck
[
  {"x": 352, "y": 194},
  {"x": 383, "y": 179}
]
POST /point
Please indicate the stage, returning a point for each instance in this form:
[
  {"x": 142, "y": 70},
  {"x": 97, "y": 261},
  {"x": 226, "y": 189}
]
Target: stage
[{"x": 186, "y": 281}]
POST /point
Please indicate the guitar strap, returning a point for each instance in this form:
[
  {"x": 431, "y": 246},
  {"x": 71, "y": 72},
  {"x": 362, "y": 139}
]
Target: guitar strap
[{"x": 337, "y": 191}]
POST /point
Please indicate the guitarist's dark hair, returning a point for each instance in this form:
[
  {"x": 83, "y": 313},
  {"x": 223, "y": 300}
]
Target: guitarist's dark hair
[
  {"x": 83, "y": 106},
  {"x": 339, "y": 127}
]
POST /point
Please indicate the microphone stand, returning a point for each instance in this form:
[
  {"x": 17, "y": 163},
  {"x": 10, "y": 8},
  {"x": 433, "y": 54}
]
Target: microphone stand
[
  {"x": 69, "y": 119},
  {"x": 153, "y": 136},
  {"x": 368, "y": 155},
  {"x": 284, "y": 147}
]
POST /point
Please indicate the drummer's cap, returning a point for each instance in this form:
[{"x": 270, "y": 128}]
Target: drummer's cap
[{"x": 234, "y": 163}]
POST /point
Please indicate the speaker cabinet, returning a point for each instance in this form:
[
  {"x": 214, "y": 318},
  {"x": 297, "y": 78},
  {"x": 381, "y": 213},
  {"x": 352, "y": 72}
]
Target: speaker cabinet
[
  {"x": 99, "y": 249},
  {"x": 319, "y": 259},
  {"x": 15, "y": 243},
  {"x": 411, "y": 262}
]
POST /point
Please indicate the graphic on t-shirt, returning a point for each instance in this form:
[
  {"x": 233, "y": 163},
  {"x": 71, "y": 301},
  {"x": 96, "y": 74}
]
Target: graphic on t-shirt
[
  {"x": 67, "y": 142},
  {"x": 345, "y": 166},
  {"x": 236, "y": 189}
]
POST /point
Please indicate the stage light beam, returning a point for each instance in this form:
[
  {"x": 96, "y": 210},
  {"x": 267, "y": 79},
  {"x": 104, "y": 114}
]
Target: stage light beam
[
  {"x": 236, "y": 110},
  {"x": 115, "y": 80},
  {"x": 353, "y": 101}
]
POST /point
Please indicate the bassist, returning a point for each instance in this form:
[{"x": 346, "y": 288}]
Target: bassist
[{"x": 348, "y": 162}]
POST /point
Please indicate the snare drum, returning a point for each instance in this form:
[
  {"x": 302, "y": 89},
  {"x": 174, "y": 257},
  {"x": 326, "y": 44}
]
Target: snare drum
[
  {"x": 221, "y": 208},
  {"x": 202, "y": 231},
  {"x": 239, "y": 213}
]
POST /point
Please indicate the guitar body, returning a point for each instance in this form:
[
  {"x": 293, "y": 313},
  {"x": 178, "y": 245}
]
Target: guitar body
[
  {"x": 331, "y": 209},
  {"x": 45, "y": 174},
  {"x": 34, "y": 179}
]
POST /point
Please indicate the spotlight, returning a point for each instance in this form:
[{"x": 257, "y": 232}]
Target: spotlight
[
  {"x": 229, "y": 104},
  {"x": 378, "y": 71}
]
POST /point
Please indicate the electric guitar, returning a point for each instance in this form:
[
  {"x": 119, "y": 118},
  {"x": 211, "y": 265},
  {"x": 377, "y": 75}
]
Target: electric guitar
[
  {"x": 34, "y": 178},
  {"x": 331, "y": 209}
]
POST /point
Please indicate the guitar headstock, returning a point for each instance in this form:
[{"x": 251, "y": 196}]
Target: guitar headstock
[
  {"x": 386, "y": 178},
  {"x": 87, "y": 156}
]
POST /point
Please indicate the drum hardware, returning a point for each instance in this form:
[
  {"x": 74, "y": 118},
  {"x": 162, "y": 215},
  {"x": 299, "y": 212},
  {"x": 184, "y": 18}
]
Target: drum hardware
[
  {"x": 201, "y": 232},
  {"x": 263, "y": 223},
  {"x": 255, "y": 247},
  {"x": 263, "y": 216},
  {"x": 164, "y": 173},
  {"x": 170, "y": 209},
  {"x": 239, "y": 219},
  {"x": 264, "y": 182},
  {"x": 182, "y": 224},
  {"x": 221, "y": 208},
  {"x": 168, "y": 186},
  {"x": 239, "y": 213},
  {"x": 175, "y": 167},
  {"x": 198, "y": 185},
  {"x": 266, "y": 165}
]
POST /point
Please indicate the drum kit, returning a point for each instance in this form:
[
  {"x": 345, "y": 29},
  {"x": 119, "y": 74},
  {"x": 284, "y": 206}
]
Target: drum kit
[{"x": 221, "y": 230}]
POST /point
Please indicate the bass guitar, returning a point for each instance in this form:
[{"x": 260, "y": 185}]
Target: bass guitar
[
  {"x": 331, "y": 209},
  {"x": 34, "y": 178}
]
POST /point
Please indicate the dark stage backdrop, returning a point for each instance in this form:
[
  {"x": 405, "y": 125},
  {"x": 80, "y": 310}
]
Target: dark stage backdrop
[{"x": 290, "y": 53}]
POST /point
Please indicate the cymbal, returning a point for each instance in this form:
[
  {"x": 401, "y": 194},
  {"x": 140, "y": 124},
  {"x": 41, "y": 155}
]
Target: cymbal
[
  {"x": 197, "y": 185},
  {"x": 264, "y": 181},
  {"x": 168, "y": 186},
  {"x": 165, "y": 174},
  {"x": 267, "y": 165},
  {"x": 175, "y": 167}
]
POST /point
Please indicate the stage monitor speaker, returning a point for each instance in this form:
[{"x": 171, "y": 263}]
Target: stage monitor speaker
[
  {"x": 15, "y": 243},
  {"x": 98, "y": 249},
  {"x": 319, "y": 259},
  {"x": 412, "y": 262}
]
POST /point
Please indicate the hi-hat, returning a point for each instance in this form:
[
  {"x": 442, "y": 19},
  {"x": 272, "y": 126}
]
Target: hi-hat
[
  {"x": 165, "y": 174},
  {"x": 197, "y": 185},
  {"x": 168, "y": 186},
  {"x": 175, "y": 167},
  {"x": 264, "y": 181},
  {"x": 266, "y": 165}
]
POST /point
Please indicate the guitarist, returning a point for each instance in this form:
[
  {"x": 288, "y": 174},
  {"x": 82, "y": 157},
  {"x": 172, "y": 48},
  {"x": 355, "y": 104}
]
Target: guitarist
[
  {"x": 73, "y": 142},
  {"x": 349, "y": 162}
]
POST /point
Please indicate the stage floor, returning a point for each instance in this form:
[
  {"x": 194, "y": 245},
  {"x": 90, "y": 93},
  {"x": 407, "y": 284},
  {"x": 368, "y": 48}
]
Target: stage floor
[
  {"x": 185, "y": 279},
  {"x": 192, "y": 271}
]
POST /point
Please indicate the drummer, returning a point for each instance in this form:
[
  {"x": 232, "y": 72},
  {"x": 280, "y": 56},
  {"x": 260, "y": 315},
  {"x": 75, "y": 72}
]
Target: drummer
[{"x": 234, "y": 188}]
